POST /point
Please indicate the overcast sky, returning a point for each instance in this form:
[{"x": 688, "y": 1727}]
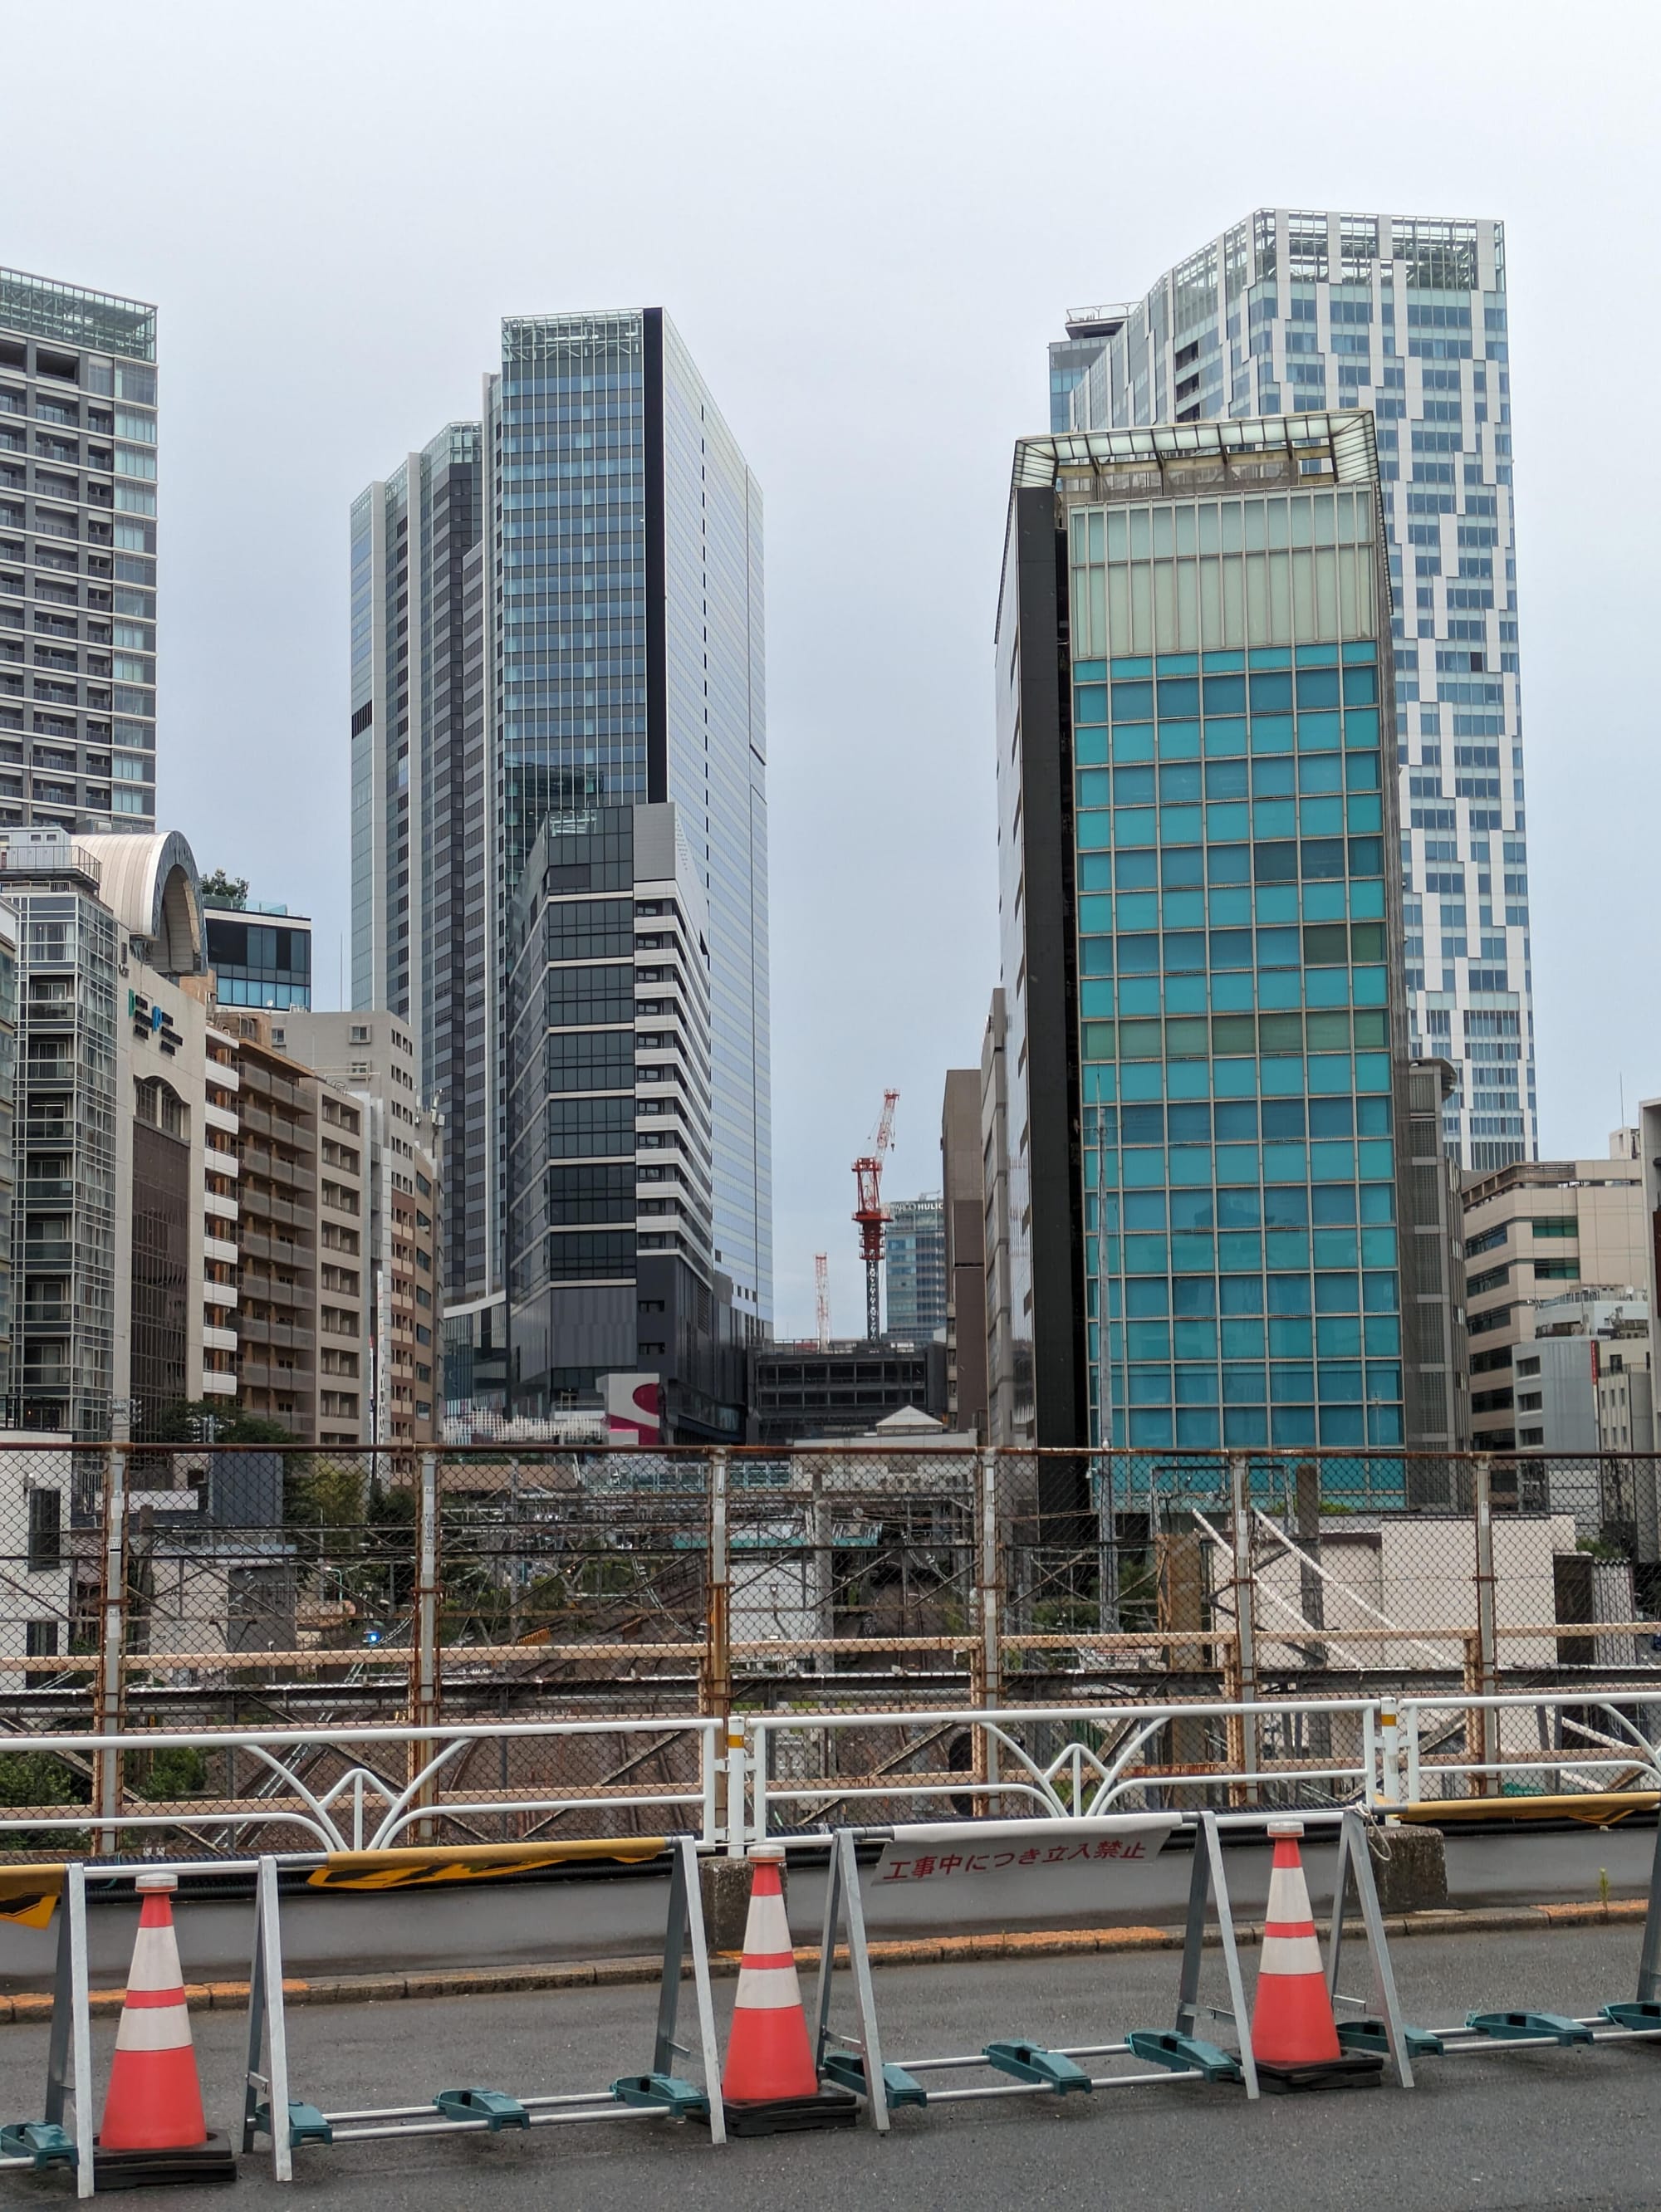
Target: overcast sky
[{"x": 866, "y": 220}]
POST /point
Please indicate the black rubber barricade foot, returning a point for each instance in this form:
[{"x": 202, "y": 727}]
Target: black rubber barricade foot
[
  {"x": 1357, "y": 2069},
  {"x": 212, "y": 2160},
  {"x": 790, "y": 2116}
]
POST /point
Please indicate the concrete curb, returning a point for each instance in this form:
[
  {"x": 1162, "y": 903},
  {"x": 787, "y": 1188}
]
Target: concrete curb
[{"x": 944, "y": 1950}]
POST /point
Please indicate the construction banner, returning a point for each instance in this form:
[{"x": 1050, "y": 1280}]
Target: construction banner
[
  {"x": 1018, "y": 1865},
  {"x": 29, "y": 1893},
  {"x": 424, "y": 1866}
]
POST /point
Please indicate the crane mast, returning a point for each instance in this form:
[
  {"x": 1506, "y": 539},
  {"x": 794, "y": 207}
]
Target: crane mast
[{"x": 870, "y": 1214}]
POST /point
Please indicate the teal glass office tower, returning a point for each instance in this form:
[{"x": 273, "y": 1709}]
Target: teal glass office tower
[{"x": 1202, "y": 936}]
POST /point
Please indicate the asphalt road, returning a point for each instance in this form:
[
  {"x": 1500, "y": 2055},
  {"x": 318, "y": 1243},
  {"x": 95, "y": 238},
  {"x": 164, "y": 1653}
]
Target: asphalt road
[
  {"x": 1493, "y": 2134},
  {"x": 586, "y": 1919}
]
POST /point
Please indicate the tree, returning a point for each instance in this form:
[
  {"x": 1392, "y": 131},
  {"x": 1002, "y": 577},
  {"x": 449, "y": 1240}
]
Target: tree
[
  {"x": 210, "y": 1420},
  {"x": 220, "y": 890}
]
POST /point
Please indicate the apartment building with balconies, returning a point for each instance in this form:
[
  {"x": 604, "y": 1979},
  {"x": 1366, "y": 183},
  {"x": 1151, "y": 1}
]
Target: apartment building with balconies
[
  {"x": 302, "y": 1328},
  {"x": 1533, "y": 1229},
  {"x": 221, "y": 1209},
  {"x": 77, "y": 558},
  {"x": 107, "y": 1235},
  {"x": 64, "y": 1226},
  {"x": 373, "y": 1055},
  {"x": 613, "y": 1266}
]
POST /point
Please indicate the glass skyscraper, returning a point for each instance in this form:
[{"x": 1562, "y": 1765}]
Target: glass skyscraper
[
  {"x": 914, "y": 1269},
  {"x": 420, "y": 937},
  {"x": 596, "y": 632},
  {"x": 77, "y": 556},
  {"x": 1202, "y": 938},
  {"x": 1293, "y": 311}
]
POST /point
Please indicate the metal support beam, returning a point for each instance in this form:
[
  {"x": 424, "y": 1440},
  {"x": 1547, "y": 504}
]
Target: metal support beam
[
  {"x": 424, "y": 1677},
  {"x": 110, "y": 1679},
  {"x": 1245, "y": 1622},
  {"x": 987, "y": 1668},
  {"x": 1484, "y": 1742}
]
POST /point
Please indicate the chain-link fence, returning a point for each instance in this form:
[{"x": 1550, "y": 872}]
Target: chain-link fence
[{"x": 242, "y": 1588}]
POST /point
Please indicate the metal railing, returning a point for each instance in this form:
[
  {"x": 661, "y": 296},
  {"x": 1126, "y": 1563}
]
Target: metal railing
[
  {"x": 729, "y": 1781},
  {"x": 318, "y": 1788},
  {"x": 1082, "y": 1761}
]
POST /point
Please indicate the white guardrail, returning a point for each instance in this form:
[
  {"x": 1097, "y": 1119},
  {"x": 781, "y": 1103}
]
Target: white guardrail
[
  {"x": 338, "y": 1812},
  {"x": 373, "y": 1788},
  {"x": 1383, "y": 1753}
]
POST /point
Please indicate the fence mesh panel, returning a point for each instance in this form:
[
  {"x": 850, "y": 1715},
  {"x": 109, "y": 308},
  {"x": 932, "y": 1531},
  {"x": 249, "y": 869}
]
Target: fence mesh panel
[{"x": 240, "y": 1589}]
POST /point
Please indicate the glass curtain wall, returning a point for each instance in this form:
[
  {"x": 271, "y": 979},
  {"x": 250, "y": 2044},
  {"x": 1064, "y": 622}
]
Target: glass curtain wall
[{"x": 1239, "y": 984}]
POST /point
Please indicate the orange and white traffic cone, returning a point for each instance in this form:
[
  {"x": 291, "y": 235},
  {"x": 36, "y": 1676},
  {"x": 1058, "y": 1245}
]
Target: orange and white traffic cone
[
  {"x": 770, "y": 2084},
  {"x": 1295, "y": 2037},
  {"x": 152, "y": 2129}
]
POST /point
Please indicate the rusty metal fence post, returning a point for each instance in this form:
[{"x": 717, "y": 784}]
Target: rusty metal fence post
[
  {"x": 1481, "y": 1655},
  {"x": 986, "y": 1653},
  {"x": 715, "y": 1689},
  {"x": 424, "y": 1679},
  {"x": 1311, "y": 1595},
  {"x": 109, "y": 1679},
  {"x": 1243, "y": 1747}
]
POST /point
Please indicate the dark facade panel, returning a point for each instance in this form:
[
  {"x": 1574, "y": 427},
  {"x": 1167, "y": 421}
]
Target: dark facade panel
[{"x": 1051, "y": 988}]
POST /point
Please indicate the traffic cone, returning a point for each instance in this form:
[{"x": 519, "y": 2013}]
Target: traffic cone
[
  {"x": 153, "y": 2127},
  {"x": 769, "y": 2085},
  {"x": 1295, "y": 2037}
]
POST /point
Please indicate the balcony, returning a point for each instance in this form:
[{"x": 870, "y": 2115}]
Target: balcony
[
  {"x": 48, "y": 1190},
  {"x": 280, "y": 1334},
  {"x": 263, "y": 1083},
  {"x": 47, "y": 1252},
  {"x": 280, "y": 1251},
  {"x": 260, "y": 1287},
  {"x": 264, "y": 1210},
  {"x": 257, "y": 1375}
]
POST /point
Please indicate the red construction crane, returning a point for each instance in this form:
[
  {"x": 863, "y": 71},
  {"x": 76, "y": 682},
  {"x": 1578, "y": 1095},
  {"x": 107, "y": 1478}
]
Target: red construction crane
[
  {"x": 869, "y": 1214},
  {"x": 822, "y": 1288}
]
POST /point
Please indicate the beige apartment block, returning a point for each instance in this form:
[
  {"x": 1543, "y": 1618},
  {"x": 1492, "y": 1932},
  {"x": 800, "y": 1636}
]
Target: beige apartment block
[
  {"x": 372, "y": 1055},
  {"x": 302, "y": 1216},
  {"x": 222, "y": 1083},
  {"x": 1531, "y": 1229}
]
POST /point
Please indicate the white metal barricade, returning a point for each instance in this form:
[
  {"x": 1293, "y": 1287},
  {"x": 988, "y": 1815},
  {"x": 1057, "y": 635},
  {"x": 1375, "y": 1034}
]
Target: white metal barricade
[
  {"x": 271, "y": 2109},
  {"x": 1174, "y": 2056}
]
